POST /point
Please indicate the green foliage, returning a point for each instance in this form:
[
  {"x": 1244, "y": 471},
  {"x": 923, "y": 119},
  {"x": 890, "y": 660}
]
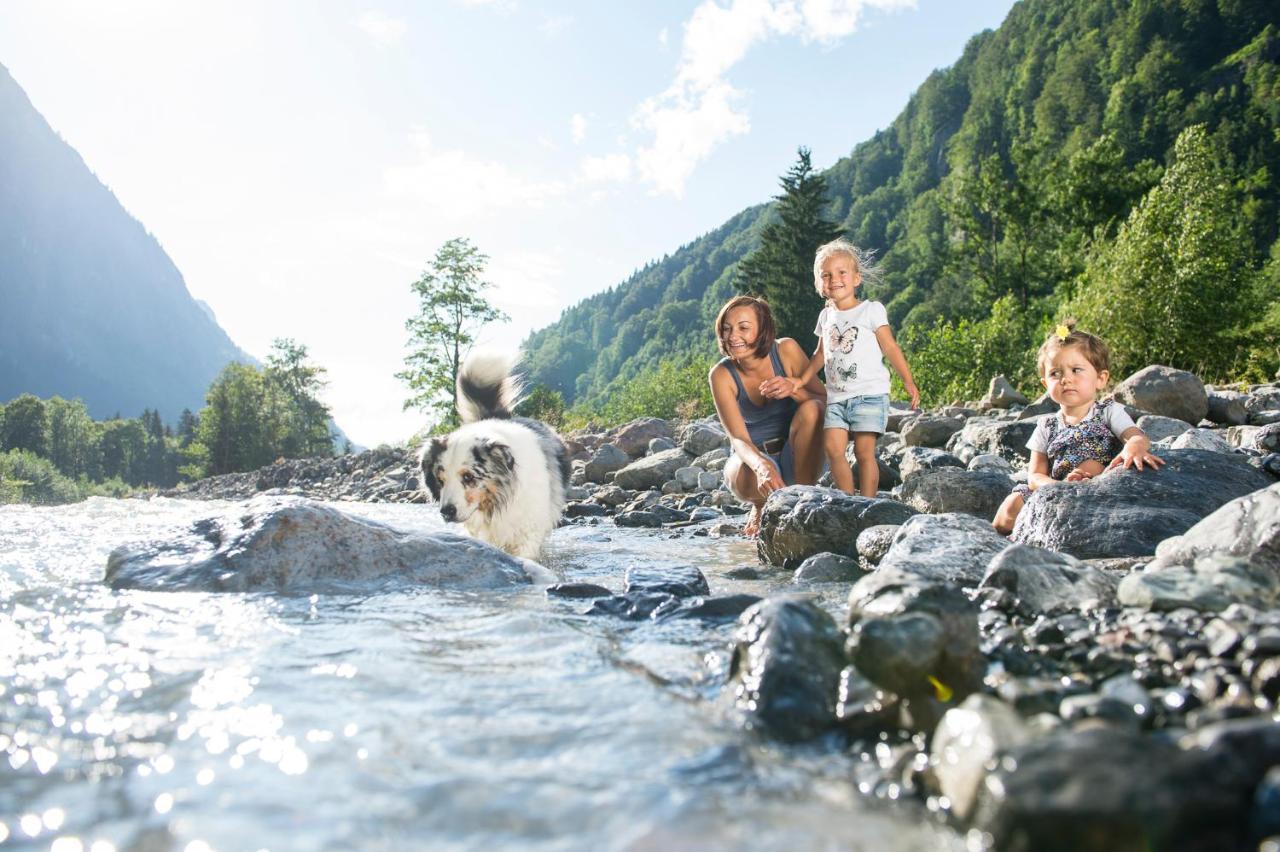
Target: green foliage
[
  {"x": 25, "y": 425},
  {"x": 955, "y": 361},
  {"x": 27, "y": 478},
  {"x": 301, "y": 420},
  {"x": 1174, "y": 283},
  {"x": 676, "y": 389},
  {"x": 543, "y": 403},
  {"x": 781, "y": 269},
  {"x": 451, "y": 309}
]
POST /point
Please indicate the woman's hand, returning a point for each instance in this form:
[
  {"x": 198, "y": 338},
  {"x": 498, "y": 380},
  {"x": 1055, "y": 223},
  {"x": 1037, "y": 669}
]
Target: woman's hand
[
  {"x": 780, "y": 387},
  {"x": 768, "y": 478}
]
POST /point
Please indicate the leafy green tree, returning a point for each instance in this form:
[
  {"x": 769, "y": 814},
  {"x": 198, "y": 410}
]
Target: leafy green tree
[
  {"x": 73, "y": 439},
  {"x": 187, "y": 425},
  {"x": 233, "y": 435},
  {"x": 451, "y": 309},
  {"x": 123, "y": 446},
  {"x": 1176, "y": 278},
  {"x": 676, "y": 389},
  {"x": 781, "y": 269},
  {"x": 25, "y": 425},
  {"x": 302, "y": 417},
  {"x": 543, "y": 403}
]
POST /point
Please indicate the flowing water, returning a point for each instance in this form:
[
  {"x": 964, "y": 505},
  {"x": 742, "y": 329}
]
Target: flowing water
[{"x": 400, "y": 720}]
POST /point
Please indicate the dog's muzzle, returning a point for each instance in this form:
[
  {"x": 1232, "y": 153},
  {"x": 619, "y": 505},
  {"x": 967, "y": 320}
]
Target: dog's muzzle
[{"x": 449, "y": 512}]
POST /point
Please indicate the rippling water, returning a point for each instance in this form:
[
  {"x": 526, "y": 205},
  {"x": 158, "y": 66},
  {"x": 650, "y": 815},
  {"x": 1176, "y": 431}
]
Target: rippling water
[{"x": 405, "y": 719}]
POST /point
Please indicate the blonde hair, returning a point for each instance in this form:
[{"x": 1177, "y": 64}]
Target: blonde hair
[
  {"x": 1097, "y": 353},
  {"x": 863, "y": 262}
]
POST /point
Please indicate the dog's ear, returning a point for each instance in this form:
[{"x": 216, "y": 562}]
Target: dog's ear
[
  {"x": 430, "y": 458},
  {"x": 496, "y": 458}
]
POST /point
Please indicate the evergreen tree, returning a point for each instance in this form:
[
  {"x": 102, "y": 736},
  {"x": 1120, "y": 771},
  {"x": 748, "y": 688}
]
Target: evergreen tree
[
  {"x": 187, "y": 425},
  {"x": 451, "y": 309},
  {"x": 232, "y": 435},
  {"x": 303, "y": 417},
  {"x": 73, "y": 440},
  {"x": 781, "y": 269}
]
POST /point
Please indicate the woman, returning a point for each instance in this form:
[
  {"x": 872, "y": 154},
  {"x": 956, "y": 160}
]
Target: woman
[{"x": 775, "y": 431}]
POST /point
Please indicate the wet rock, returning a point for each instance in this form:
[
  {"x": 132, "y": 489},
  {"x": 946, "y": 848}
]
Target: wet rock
[
  {"x": 613, "y": 496},
  {"x": 682, "y": 581},
  {"x": 294, "y": 546},
  {"x": 873, "y": 542},
  {"x": 605, "y": 460},
  {"x": 950, "y": 548},
  {"x": 954, "y": 489},
  {"x": 633, "y": 438},
  {"x": 1166, "y": 391},
  {"x": 1158, "y": 428},
  {"x": 584, "y": 510},
  {"x": 802, "y": 520},
  {"x": 970, "y": 738},
  {"x": 828, "y": 568},
  {"x": 1129, "y": 512},
  {"x": 703, "y": 436},
  {"x": 863, "y": 708},
  {"x": 785, "y": 669},
  {"x": 1104, "y": 788},
  {"x": 715, "y": 609},
  {"x": 920, "y": 459},
  {"x": 638, "y": 518},
  {"x": 1007, "y": 439},
  {"x": 652, "y": 471},
  {"x": 577, "y": 591},
  {"x": 1002, "y": 394},
  {"x": 930, "y": 430},
  {"x": 635, "y": 606},
  {"x": 1043, "y": 581}
]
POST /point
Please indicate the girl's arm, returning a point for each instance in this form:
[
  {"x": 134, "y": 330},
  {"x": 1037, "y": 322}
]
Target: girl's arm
[
  {"x": 724, "y": 394},
  {"x": 1136, "y": 451},
  {"x": 891, "y": 350},
  {"x": 1038, "y": 470},
  {"x": 800, "y": 389}
]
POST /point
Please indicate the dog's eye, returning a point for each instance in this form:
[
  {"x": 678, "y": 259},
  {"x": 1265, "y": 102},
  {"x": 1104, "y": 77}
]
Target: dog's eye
[{"x": 468, "y": 479}]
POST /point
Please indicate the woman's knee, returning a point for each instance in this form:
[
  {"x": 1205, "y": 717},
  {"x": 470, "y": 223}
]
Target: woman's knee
[{"x": 740, "y": 480}]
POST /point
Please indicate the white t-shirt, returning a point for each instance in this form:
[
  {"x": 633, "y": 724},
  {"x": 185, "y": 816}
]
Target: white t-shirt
[
  {"x": 1118, "y": 420},
  {"x": 854, "y": 362}
]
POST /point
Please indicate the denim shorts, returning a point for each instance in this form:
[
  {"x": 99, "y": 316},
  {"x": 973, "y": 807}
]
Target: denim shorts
[{"x": 859, "y": 414}]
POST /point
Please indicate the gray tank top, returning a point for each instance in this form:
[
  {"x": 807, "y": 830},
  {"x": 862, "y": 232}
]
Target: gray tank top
[{"x": 768, "y": 421}]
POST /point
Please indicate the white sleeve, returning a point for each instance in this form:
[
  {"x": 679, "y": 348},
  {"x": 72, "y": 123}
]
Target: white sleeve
[
  {"x": 822, "y": 320},
  {"x": 876, "y": 315},
  {"x": 1039, "y": 440},
  {"x": 1119, "y": 420}
]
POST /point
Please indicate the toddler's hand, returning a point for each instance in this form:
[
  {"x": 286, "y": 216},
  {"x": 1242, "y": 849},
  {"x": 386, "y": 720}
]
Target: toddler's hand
[
  {"x": 1079, "y": 475},
  {"x": 1131, "y": 457}
]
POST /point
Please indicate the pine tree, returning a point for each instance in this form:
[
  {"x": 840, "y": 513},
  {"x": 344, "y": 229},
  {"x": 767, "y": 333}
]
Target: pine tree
[
  {"x": 781, "y": 269},
  {"x": 303, "y": 418}
]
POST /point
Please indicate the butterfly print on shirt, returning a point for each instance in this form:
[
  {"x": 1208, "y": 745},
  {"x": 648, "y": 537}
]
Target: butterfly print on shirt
[{"x": 841, "y": 338}]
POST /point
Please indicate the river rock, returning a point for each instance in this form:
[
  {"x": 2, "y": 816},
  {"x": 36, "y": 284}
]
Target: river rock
[
  {"x": 991, "y": 461},
  {"x": 1200, "y": 439},
  {"x": 828, "y": 568},
  {"x": 1005, "y": 438},
  {"x": 948, "y": 548},
  {"x": 801, "y": 520},
  {"x": 1129, "y": 512},
  {"x": 633, "y": 438},
  {"x": 1227, "y": 408},
  {"x": 652, "y": 471},
  {"x": 687, "y": 478},
  {"x": 721, "y": 609},
  {"x": 1267, "y": 439},
  {"x": 969, "y": 739},
  {"x": 1002, "y": 394},
  {"x": 1043, "y": 405},
  {"x": 294, "y": 546},
  {"x": 1158, "y": 428},
  {"x": 1100, "y": 789},
  {"x": 784, "y": 674},
  {"x": 713, "y": 459},
  {"x": 660, "y": 445},
  {"x": 1044, "y": 582},
  {"x": 873, "y": 542},
  {"x": 954, "y": 489},
  {"x": 1164, "y": 390},
  {"x": 681, "y": 581},
  {"x": 929, "y": 430},
  {"x": 607, "y": 458},
  {"x": 919, "y": 459},
  {"x": 703, "y": 436}
]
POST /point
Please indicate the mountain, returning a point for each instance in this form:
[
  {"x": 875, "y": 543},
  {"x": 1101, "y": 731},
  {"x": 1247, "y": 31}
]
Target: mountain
[
  {"x": 91, "y": 306},
  {"x": 1000, "y": 176}
]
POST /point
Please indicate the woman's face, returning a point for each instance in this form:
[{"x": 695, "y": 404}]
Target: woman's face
[{"x": 740, "y": 331}]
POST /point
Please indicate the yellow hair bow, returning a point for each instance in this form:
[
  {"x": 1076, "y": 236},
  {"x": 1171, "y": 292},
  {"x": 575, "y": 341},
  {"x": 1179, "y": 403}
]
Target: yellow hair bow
[{"x": 1062, "y": 331}]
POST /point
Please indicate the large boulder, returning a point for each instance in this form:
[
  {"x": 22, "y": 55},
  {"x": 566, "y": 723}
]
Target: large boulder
[
  {"x": 633, "y": 438},
  {"x": 784, "y": 676},
  {"x": 702, "y": 436},
  {"x": 802, "y": 520},
  {"x": 1044, "y": 582},
  {"x": 652, "y": 471},
  {"x": 607, "y": 459},
  {"x": 1129, "y": 512},
  {"x": 1159, "y": 427},
  {"x": 948, "y": 548},
  {"x": 295, "y": 546},
  {"x": 954, "y": 489},
  {"x": 1227, "y": 408},
  {"x": 1005, "y": 438},
  {"x": 919, "y": 459},
  {"x": 931, "y": 430},
  {"x": 1166, "y": 391},
  {"x": 1002, "y": 394}
]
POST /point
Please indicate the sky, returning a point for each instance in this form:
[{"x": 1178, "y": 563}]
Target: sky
[{"x": 303, "y": 161}]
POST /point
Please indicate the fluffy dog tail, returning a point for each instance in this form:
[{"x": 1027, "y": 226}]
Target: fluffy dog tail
[{"x": 486, "y": 386}]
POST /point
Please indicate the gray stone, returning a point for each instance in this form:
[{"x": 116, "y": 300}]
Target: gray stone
[
  {"x": 1263, "y": 398},
  {"x": 1044, "y": 582},
  {"x": 633, "y": 438},
  {"x": 969, "y": 738},
  {"x": 1158, "y": 428},
  {"x": 931, "y": 431},
  {"x": 802, "y": 520},
  {"x": 612, "y": 495},
  {"x": 954, "y": 489},
  {"x": 899, "y": 417},
  {"x": 828, "y": 568},
  {"x": 1267, "y": 439},
  {"x": 1005, "y": 438},
  {"x": 652, "y": 471},
  {"x": 703, "y": 436},
  {"x": 785, "y": 670},
  {"x": 1212, "y": 440},
  {"x": 918, "y": 459},
  {"x": 1129, "y": 512},
  {"x": 1001, "y": 394},
  {"x": 606, "y": 459},
  {"x": 294, "y": 546},
  {"x": 873, "y": 542},
  {"x": 1043, "y": 405},
  {"x": 948, "y": 548},
  {"x": 659, "y": 445},
  {"x": 713, "y": 459},
  {"x": 687, "y": 477},
  {"x": 1248, "y": 526},
  {"x": 1228, "y": 408},
  {"x": 710, "y": 480},
  {"x": 991, "y": 461},
  {"x": 681, "y": 581},
  {"x": 1164, "y": 390}
]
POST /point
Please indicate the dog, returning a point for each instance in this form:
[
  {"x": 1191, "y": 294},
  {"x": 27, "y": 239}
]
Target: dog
[{"x": 502, "y": 477}]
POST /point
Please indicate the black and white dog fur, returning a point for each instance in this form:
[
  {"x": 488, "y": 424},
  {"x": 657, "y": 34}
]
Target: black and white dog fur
[{"x": 502, "y": 477}]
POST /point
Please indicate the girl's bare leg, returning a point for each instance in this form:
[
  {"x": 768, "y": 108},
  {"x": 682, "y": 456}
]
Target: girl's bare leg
[
  {"x": 834, "y": 442},
  {"x": 864, "y": 450}
]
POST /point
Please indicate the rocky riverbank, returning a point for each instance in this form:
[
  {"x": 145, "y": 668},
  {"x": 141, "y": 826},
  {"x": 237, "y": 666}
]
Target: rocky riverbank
[{"x": 1107, "y": 678}]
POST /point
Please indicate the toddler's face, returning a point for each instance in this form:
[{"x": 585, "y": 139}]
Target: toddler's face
[
  {"x": 1071, "y": 380},
  {"x": 840, "y": 277}
]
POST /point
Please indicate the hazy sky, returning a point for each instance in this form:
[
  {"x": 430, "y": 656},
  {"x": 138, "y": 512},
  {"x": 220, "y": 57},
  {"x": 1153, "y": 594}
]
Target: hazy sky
[{"x": 301, "y": 162}]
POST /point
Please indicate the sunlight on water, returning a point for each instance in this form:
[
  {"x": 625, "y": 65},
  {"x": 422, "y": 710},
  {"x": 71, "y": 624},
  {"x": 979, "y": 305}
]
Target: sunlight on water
[{"x": 215, "y": 721}]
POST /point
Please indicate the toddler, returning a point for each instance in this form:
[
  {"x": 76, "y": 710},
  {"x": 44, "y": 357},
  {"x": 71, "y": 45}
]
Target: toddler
[
  {"x": 1085, "y": 437},
  {"x": 853, "y": 340}
]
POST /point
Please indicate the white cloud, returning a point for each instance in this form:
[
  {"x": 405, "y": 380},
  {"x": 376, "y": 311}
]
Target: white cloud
[
  {"x": 578, "y": 127},
  {"x": 700, "y": 109},
  {"x": 383, "y": 28},
  {"x": 553, "y": 26},
  {"x": 612, "y": 168},
  {"x": 662, "y": 37}
]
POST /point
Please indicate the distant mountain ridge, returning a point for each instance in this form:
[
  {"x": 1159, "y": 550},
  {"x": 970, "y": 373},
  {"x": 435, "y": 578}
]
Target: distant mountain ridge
[{"x": 91, "y": 306}]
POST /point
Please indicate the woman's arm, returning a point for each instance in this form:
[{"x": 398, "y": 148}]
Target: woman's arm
[
  {"x": 796, "y": 363},
  {"x": 724, "y": 394},
  {"x": 892, "y": 352}
]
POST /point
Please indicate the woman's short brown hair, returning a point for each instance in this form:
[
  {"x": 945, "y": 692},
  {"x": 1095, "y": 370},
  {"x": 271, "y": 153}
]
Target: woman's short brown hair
[
  {"x": 764, "y": 319},
  {"x": 1091, "y": 346}
]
